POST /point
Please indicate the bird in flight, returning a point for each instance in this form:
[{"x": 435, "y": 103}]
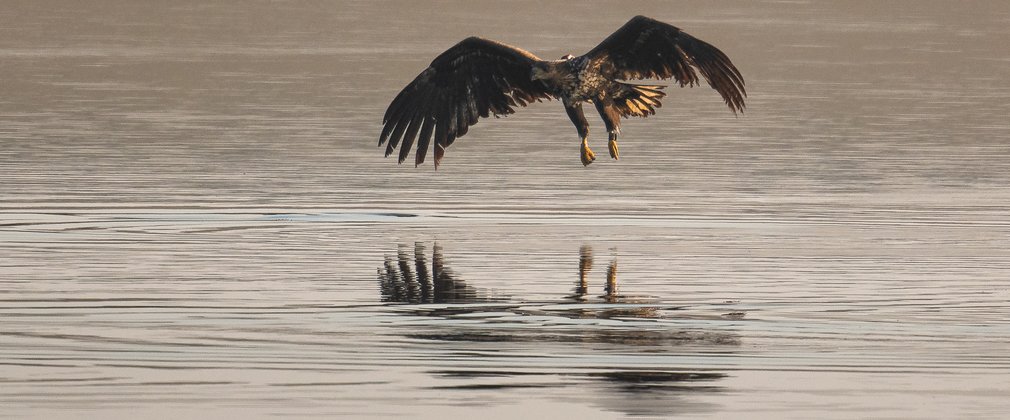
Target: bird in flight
[{"x": 477, "y": 78}]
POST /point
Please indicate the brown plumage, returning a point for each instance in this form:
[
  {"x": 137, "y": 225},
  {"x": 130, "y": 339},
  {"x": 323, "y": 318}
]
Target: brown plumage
[{"x": 477, "y": 78}]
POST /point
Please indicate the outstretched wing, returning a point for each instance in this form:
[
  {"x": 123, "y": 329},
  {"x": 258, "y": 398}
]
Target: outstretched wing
[
  {"x": 646, "y": 48},
  {"x": 473, "y": 79}
]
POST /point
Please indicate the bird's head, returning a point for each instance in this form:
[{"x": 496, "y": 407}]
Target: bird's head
[{"x": 549, "y": 70}]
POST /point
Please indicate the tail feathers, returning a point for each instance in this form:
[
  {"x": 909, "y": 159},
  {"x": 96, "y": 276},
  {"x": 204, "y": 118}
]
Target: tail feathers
[{"x": 639, "y": 100}]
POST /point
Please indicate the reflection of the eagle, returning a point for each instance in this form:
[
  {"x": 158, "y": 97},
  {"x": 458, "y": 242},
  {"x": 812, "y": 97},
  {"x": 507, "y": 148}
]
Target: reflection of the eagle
[{"x": 406, "y": 278}]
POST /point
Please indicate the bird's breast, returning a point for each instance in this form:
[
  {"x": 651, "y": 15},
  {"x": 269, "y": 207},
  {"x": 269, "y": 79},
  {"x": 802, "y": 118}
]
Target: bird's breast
[{"x": 588, "y": 84}]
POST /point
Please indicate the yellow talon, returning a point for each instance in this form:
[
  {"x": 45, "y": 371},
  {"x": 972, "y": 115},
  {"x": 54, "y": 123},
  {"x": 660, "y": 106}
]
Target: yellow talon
[
  {"x": 614, "y": 153},
  {"x": 587, "y": 155}
]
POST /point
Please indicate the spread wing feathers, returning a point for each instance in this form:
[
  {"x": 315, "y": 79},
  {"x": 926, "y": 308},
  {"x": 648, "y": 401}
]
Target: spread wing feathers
[
  {"x": 638, "y": 100},
  {"x": 474, "y": 79},
  {"x": 645, "y": 48}
]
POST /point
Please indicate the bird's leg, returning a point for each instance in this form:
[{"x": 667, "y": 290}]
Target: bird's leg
[
  {"x": 612, "y": 119},
  {"x": 612, "y": 144},
  {"x": 582, "y": 126}
]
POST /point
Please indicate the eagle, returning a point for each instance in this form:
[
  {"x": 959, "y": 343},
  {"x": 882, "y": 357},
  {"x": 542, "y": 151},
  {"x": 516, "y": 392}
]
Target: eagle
[{"x": 477, "y": 78}]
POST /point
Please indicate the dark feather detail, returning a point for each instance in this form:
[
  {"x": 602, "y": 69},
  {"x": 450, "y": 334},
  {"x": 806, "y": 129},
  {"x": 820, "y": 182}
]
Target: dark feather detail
[
  {"x": 645, "y": 48},
  {"x": 474, "y": 79},
  {"x": 423, "y": 140}
]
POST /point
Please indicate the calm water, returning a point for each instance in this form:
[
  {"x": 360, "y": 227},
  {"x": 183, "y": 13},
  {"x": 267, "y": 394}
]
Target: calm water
[{"x": 195, "y": 220}]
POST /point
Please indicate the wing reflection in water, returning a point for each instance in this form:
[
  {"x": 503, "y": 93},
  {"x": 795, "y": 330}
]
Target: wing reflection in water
[{"x": 408, "y": 280}]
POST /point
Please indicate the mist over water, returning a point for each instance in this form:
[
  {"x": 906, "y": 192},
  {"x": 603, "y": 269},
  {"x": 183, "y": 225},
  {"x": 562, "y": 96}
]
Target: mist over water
[{"x": 195, "y": 220}]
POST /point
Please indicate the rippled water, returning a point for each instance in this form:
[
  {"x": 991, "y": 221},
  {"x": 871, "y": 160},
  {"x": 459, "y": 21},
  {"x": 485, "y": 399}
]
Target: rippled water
[{"x": 195, "y": 221}]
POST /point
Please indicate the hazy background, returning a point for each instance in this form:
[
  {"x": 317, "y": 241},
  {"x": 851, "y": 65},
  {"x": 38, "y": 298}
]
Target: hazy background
[{"x": 195, "y": 220}]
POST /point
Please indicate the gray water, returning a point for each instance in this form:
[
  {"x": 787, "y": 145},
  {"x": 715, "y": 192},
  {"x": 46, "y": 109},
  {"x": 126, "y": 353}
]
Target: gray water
[{"x": 195, "y": 221}]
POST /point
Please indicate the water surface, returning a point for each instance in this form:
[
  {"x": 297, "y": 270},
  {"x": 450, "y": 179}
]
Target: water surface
[{"x": 195, "y": 220}]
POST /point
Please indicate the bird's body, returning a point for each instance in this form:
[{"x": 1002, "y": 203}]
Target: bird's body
[
  {"x": 571, "y": 79},
  {"x": 477, "y": 78}
]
